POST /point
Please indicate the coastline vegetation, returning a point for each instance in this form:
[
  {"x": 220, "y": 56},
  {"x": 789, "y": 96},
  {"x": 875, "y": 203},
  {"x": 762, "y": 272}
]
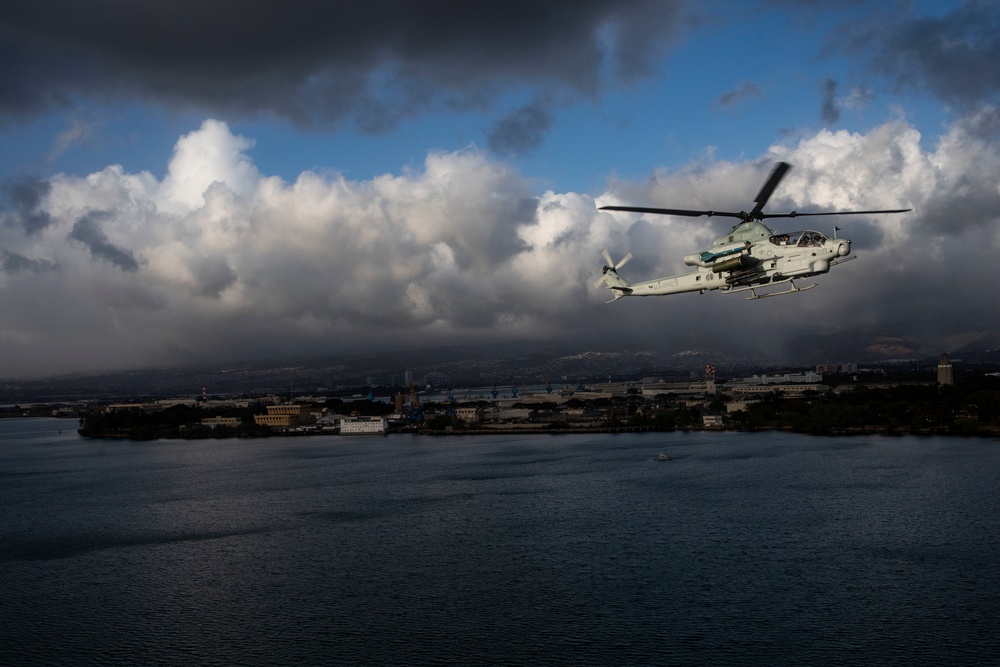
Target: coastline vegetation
[{"x": 972, "y": 408}]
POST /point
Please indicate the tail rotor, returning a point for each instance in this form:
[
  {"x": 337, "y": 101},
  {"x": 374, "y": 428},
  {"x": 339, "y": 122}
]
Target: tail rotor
[
  {"x": 610, "y": 278},
  {"x": 610, "y": 265}
]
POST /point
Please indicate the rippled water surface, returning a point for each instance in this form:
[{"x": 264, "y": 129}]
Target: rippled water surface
[{"x": 506, "y": 550}]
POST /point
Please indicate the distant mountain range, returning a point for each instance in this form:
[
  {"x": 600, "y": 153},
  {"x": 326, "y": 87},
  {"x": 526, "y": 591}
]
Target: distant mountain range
[
  {"x": 869, "y": 347},
  {"x": 480, "y": 366}
]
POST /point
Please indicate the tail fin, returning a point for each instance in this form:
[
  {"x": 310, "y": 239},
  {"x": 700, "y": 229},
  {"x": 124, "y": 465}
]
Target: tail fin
[
  {"x": 610, "y": 277},
  {"x": 618, "y": 285}
]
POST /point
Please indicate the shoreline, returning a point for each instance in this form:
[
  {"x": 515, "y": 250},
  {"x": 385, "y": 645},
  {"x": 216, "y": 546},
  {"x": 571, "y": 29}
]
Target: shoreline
[
  {"x": 611, "y": 430},
  {"x": 970, "y": 432}
]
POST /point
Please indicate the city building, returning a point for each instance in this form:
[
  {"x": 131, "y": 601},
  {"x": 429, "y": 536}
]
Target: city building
[
  {"x": 786, "y": 378},
  {"x": 363, "y": 425},
  {"x": 945, "y": 375},
  {"x": 713, "y": 421},
  {"x": 330, "y": 421},
  {"x": 123, "y": 407},
  {"x": 710, "y": 387},
  {"x": 743, "y": 392},
  {"x": 221, "y": 421},
  {"x": 469, "y": 415},
  {"x": 285, "y": 416},
  {"x": 833, "y": 369},
  {"x": 283, "y": 421}
]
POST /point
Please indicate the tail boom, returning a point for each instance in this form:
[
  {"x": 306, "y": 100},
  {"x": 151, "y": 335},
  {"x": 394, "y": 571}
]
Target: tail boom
[{"x": 616, "y": 284}]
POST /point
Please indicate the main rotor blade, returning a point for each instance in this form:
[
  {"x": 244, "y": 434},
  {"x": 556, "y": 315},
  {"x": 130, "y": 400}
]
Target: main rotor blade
[
  {"x": 623, "y": 261},
  {"x": 765, "y": 193},
  {"x": 671, "y": 211},
  {"x": 796, "y": 214},
  {"x": 607, "y": 258}
]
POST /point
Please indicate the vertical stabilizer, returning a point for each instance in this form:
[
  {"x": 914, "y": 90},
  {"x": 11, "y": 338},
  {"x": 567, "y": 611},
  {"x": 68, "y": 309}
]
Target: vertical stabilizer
[{"x": 610, "y": 277}]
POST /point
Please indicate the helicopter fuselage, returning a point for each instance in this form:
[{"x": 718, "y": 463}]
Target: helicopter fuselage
[{"x": 748, "y": 257}]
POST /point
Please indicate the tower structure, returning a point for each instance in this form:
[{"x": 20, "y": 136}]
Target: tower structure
[
  {"x": 710, "y": 379},
  {"x": 945, "y": 376}
]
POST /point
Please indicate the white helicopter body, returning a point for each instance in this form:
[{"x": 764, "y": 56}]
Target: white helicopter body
[{"x": 750, "y": 257}]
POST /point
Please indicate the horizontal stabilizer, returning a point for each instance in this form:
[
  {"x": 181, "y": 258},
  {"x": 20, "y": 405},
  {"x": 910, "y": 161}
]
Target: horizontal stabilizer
[{"x": 619, "y": 292}]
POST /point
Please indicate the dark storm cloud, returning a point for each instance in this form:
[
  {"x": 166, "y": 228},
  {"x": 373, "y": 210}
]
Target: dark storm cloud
[
  {"x": 321, "y": 61},
  {"x": 969, "y": 201},
  {"x": 88, "y": 232},
  {"x": 830, "y": 110},
  {"x": 26, "y": 195},
  {"x": 952, "y": 56},
  {"x": 212, "y": 275},
  {"x": 966, "y": 197},
  {"x": 744, "y": 91},
  {"x": 522, "y": 131},
  {"x": 983, "y": 125},
  {"x": 12, "y": 262}
]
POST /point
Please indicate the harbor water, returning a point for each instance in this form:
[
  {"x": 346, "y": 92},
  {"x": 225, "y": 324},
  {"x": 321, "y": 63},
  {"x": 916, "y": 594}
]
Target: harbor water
[{"x": 762, "y": 548}]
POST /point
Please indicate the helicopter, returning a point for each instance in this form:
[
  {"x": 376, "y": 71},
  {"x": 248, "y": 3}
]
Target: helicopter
[{"x": 749, "y": 258}]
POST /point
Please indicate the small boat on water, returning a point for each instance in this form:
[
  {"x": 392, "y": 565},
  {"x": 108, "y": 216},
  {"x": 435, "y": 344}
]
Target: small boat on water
[{"x": 662, "y": 457}]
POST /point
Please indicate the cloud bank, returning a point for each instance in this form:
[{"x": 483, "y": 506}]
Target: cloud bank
[
  {"x": 317, "y": 63},
  {"x": 949, "y": 56},
  {"x": 219, "y": 261}
]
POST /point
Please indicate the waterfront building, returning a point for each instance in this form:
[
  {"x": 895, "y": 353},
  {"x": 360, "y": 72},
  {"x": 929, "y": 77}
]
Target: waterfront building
[
  {"x": 469, "y": 415},
  {"x": 330, "y": 421},
  {"x": 713, "y": 421},
  {"x": 289, "y": 415},
  {"x": 280, "y": 421},
  {"x": 363, "y": 425},
  {"x": 221, "y": 421}
]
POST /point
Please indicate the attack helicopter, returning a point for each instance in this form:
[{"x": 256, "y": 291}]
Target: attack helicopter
[{"x": 749, "y": 258}]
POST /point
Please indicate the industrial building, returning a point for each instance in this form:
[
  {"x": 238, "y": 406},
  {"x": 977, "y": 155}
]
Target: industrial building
[{"x": 283, "y": 416}]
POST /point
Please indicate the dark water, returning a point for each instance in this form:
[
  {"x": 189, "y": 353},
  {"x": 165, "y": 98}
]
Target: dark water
[{"x": 509, "y": 550}]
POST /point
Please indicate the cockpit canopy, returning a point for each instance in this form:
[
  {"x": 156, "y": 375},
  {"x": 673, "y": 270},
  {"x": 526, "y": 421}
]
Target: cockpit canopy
[{"x": 801, "y": 239}]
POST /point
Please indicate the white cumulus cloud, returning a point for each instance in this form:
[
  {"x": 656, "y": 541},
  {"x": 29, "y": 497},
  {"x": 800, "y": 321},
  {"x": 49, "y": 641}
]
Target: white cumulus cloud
[{"x": 219, "y": 261}]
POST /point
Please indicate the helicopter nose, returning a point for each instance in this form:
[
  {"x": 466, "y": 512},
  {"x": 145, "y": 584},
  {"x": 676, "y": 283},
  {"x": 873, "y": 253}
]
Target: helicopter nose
[{"x": 844, "y": 248}]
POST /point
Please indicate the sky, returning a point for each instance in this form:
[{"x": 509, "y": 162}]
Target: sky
[{"x": 186, "y": 182}]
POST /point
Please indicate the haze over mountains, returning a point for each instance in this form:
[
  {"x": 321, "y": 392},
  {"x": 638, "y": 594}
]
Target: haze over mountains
[{"x": 504, "y": 365}]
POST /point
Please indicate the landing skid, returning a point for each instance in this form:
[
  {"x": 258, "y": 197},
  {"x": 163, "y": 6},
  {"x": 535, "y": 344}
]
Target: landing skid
[{"x": 791, "y": 290}]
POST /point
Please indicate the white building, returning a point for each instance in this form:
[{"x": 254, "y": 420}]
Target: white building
[
  {"x": 470, "y": 415},
  {"x": 212, "y": 422},
  {"x": 787, "y": 378},
  {"x": 363, "y": 425},
  {"x": 744, "y": 392},
  {"x": 713, "y": 421}
]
